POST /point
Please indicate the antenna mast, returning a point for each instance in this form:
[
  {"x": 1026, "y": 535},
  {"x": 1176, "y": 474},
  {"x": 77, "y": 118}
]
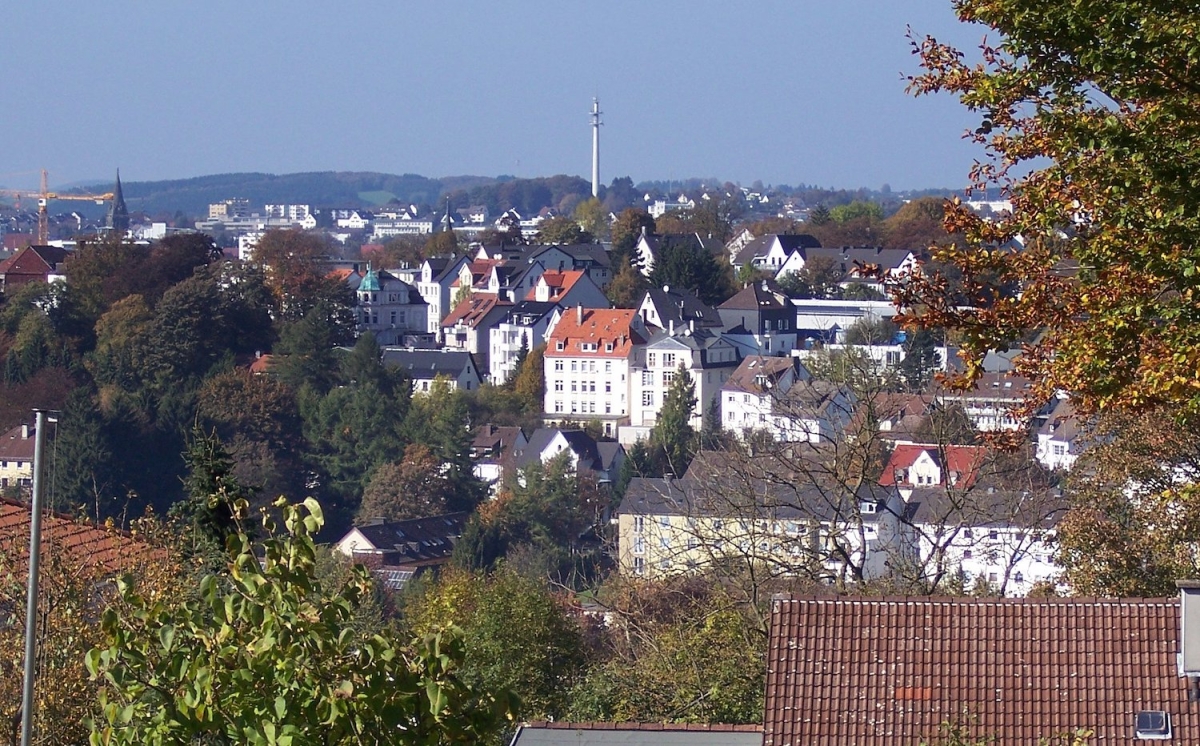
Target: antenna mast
[{"x": 596, "y": 147}]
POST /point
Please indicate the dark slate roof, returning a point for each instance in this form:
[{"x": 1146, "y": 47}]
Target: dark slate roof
[
  {"x": 636, "y": 734},
  {"x": 884, "y": 671},
  {"x": 761, "y": 245},
  {"x": 417, "y": 540},
  {"x": 987, "y": 507},
  {"x": 681, "y": 308},
  {"x": 527, "y": 312},
  {"x": 763, "y": 294},
  {"x": 585, "y": 447},
  {"x": 428, "y": 363}
]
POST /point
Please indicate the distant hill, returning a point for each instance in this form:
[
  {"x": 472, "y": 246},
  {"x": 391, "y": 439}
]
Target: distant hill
[{"x": 325, "y": 188}]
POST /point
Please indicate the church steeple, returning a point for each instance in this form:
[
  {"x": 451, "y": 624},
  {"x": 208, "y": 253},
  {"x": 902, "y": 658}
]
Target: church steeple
[
  {"x": 447, "y": 219},
  {"x": 118, "y": 213}
]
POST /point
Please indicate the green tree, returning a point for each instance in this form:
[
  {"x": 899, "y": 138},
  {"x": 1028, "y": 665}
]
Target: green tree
[
  {"x": 673, "y": 440},
  {"x": 921, "y": 359},
  {"x": 413, "y": 487},
  {"x": 295, "y": 270},
  {"x": 628, "y": 287},
  {"x": 818, "y": 278},
  {"x": 529, "y": 380},
  {"x": 626, "y": 230},
  {"x": 872, "y": 330},
  {"x": 682, "y": 264},
  {"x": 562, "y": 230},
  {"x": 592, "y": 219},
  {"x": 267, "y": 655},
  {"x": 516, "y": 636}
]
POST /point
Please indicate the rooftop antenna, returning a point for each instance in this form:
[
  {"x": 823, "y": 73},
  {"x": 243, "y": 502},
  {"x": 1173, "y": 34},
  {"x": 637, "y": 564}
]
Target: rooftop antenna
[{"x": 596, "y": 147}]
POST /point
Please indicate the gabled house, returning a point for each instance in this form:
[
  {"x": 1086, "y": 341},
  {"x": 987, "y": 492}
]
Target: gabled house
[
  {"x": 650, "y": 245},
  {"x": 32, "y": 264},
  {"x": 1059, "y": 439},
  {"x": 492, "y": 448},
  {"x": 885, "y": 671},
  {"x": 398, "y": 551},
  {"x": 592, "y": 259},
  {"x": 589, "y": 355},
  {"x": 663, "y": 307},
  {"x": 438, "y": 275},
  {"x": 469, "y": 326},
  {"x": 456, "y": 367},
  {"x": 916, "y": 465},
  {"x": 770, "y": 252},
  {"x": 778, "y": 396},
  {"x": 760, "y": 320},
  {"x": 602, "y": 459},
  {"x": 16, "y": 458},
  {"x": 850, "y": 263},
  {"x": 702, "y": 354},
  {"x": 568, "y": 287}
]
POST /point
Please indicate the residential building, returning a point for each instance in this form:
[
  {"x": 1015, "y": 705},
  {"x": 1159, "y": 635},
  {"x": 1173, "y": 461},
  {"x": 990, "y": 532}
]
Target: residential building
[
  {"x": 661, "y": 207},
  {"x": 398, "y": 551},
  {"x": 492, "y": 448},
  {"x": 662, "y": 307},
  {"x": 438, "y": 275},
  {"x": 16, "y": 457},
  {"x": 777, "y": 396},
  {"x": 770, "y": 252},
  {"x": 994, "y": 403},
  {"x": 589, "y": 355},
  {"x": 387, "y": 306},
  {"x": 702, "y": 354},
  {"x": 827, "y": 320},
  {"x": 469, "y": 326},
  {"x": 850, "y": 264},
  {"x": 592, "y": 259},
  {"x": 1060, "y": 438},
  {"x": 914, "y": 465},
  {"x": 424, "y": 367},
  {"x": 601, "y": 459},
  {"x": 650, "y": 245},
  {"x": 524, "y": 326},
  {"x": 32, "y": 264},
  {"x": 760, "y": 320},
  {"x": 787, "y": 526},
  {"x": 568, "y": 287},
  {"x": 881, "y": 671}
]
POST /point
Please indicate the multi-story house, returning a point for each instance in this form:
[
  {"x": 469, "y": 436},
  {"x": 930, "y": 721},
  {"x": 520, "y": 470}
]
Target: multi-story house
[
  {"x": 568, "y": 287},
  {"x": 16, "y": 457},
  {"x": 778, "y": 396},
  {"x": 770, "y": 252},
  {"x": 994, "y": 403},
  {"x": 600, "y": 459},
  {"x": 32, "y": 264},
  {"x": 785, "y": 528},
  {"x": 387, "y": 306},
  {"x": 760, "y": 320},
  {"x": 1059, "y": 438},
  {"x": 493, "y": 448},
  {"x": 524, "y": 326},
  {"x": 469, "y": 326},
  {"x": 589, "y": 355},
  {"x": 650, "y": 246},
  {"x": 592, "y": 259},
  {"x": 663, "y": 306},
  {"x": 424, "y": 367},
  {"x": 699, "y": 353},
  {"x": 438, "y": 275}
]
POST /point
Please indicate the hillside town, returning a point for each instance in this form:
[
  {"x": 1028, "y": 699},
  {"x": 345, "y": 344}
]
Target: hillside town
[{"x": 362, "y": 458}]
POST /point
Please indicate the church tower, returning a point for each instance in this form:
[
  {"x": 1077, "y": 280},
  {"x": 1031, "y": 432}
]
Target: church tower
[{"x": 118, "y": 213}]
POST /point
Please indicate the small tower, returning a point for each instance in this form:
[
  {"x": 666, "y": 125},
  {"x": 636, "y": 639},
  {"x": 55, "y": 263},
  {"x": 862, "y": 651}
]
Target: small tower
[
  {"x": 596, "y": 147},
  {"x": 447, "y": 223},
  {"x": 118, "y": 214}
]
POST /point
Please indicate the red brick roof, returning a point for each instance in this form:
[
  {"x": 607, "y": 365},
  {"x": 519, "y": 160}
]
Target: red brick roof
[
  {"x": 594, "y": 326},
  {"x": 108, "y": 550},
  {"x": 884, "y": 671},
  {"x": 473, "y": 308},
  {"x": 560, "y": 283}
]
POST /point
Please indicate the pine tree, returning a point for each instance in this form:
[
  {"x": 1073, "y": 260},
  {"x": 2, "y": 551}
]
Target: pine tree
[{"x": 673, "y": 440}]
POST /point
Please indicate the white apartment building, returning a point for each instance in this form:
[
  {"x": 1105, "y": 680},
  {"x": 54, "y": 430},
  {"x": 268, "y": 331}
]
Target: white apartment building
[
  {"x": 705, "y": 356},
  {"x": 589, "y": 355}
]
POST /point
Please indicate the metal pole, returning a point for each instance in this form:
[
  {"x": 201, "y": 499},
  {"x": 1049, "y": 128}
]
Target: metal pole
[{"x": 35, "y": 555}]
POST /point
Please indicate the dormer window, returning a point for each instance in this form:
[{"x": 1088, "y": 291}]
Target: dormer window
[
  {"x": 608, "y": 347},
  {"x": 1152, "y": 725},
  {"x": 559, "y": 345}
]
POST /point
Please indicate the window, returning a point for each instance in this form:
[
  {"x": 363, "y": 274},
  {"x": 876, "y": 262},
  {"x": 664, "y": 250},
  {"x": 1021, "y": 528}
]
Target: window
[
  {"x": 639, "y": 524},
  {"x": 664, "y": 541},
  {"x": 558, "y": 385},
  {"x": 608, "y": 366},
  {"x": 647, "y": 378},
  {"x": 1060, "y": 449},
  {"x": 574, "y": 366},
  {"x": 667, "y": 377},
  {"x": 968, "y": 554},
  {"x": 559, "y": 345},
  {"x": 558, "y": 365},
  {"x": 639, "y": 544},
  {"x": 647, "y": 398},
  {"x": 664, "y": 564},
  {"x": 608, "y": 348},
  {"x": 669, "y": 359},
  {"x": 607, "y": 408},
  {"x": 639, "y": 565},
  {"x": 1152, "y": 725},
  {"x": 650, "y": 358},
  {"x": 608, "y": 387},
  {"x": 573, "y": 387},
  {"x": 591, "y": 387},
  {"x": 557, "y": 405},
  {"x": 664, "y": 522}
]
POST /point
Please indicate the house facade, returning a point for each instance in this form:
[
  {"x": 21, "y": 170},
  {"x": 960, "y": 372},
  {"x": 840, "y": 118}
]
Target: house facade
[
  {"x": 760, "y": 320},
  {"x": 777, "y": 396},
  {"x": 387, "y": 306},
  {"x": 524, "y": 326},
  {"x": 424, "y": 367},
  {"x": 699, "y": 353}
]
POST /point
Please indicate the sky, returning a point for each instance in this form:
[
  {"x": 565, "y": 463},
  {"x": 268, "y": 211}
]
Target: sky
[{"x": 785, "y": 91}]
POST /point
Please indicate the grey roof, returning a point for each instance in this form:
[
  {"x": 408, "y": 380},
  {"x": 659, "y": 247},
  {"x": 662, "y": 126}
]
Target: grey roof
[
  {"x": 529, "y": 309},
  {"x": 761, "y": 245},
  {"x": 417, "y": 540},
  {"x": 636, "y": 734},
  {"x": 583, "y": 445},
  {"x": 428, "y": 363},
  {"x": 681, "y": 308},
  {"x": 763, "y": 294},
  {"x": 582, "y": 253}
]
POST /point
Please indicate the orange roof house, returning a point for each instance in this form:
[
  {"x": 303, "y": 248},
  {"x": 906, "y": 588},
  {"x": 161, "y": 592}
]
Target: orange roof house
[
  {"x": 596, "y": 332},
  {"x": 917, "y": 465}
]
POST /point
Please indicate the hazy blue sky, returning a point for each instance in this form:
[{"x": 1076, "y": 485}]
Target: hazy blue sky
[{"x": 785, "y": 92}]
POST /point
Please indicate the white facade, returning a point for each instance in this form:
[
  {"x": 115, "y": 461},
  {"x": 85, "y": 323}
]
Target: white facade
[{"x": 708, "y": 368}]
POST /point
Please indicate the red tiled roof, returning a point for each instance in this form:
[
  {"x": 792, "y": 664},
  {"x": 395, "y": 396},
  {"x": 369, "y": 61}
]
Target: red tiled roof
[
  {"x": 594, "y": 326},
  {"x": 108, "y": 550},
  {"x": 884, "y": 671},
  {"x": 559, "y": 281},
  {"x": 964, "y": 460},
  {"x": 473, "y": 308}
]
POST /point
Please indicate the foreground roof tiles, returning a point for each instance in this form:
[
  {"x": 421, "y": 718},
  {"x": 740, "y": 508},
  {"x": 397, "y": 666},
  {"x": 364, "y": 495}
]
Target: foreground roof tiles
[
  {"x": 107, "y": 550},
  {"x": 876, "y": 671}
]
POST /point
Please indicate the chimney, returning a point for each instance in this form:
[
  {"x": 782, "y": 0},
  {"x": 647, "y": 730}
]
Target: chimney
[
  {"x": 671, "y": 327},
  {"x": 579, "y": 314},
  {"x": 24, "y": 431}
]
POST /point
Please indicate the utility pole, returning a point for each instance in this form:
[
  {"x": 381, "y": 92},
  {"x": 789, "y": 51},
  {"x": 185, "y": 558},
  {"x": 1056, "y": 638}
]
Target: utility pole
[
  {"x": 596, "y": 147},
  {"x": 35, "y": 556}
]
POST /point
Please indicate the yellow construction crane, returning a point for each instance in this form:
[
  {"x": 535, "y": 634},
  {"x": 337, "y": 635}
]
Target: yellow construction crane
[{"x": 44, "y": 196}]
